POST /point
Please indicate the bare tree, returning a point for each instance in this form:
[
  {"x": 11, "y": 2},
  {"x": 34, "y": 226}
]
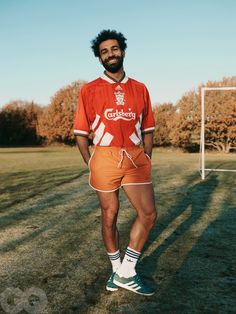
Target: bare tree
[{"x": 18, "y": 123}]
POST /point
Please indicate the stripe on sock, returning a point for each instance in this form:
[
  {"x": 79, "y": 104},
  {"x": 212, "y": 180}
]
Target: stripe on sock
[
  {"x": 132, "y": 250},
  {"x": 132, "y": 253},
  {"x": 115, "y": 260},
  {"x": 114, "y": 256}
]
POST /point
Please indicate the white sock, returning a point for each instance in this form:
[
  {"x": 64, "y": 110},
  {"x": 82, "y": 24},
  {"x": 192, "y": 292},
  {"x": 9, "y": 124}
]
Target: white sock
[
  {"x": 115, "y": 260},
  {"x": 127, "y": 268}
]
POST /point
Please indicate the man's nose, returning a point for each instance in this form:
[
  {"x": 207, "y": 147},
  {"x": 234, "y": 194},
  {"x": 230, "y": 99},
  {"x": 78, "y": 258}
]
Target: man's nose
[{"x": 110, "y": 53}]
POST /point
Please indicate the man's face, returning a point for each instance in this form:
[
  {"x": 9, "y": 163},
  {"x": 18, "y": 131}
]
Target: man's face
[{"x": 111, "y": 56}]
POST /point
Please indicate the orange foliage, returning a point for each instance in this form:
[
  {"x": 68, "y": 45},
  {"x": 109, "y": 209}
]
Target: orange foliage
[
  {"x": 163, "y": 114},
  {"x": 56, "y": 123},
  {"x": 23, "y": 123},
  {"x": 220, "y": 122}
]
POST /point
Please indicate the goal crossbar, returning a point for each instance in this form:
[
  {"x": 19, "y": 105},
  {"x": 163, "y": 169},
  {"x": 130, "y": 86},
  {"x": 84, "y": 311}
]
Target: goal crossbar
[{"x": 203, "y": 169}]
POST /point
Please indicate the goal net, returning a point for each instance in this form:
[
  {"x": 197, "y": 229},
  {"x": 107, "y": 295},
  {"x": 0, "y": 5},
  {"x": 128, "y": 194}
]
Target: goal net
[{"x": 206, "y": 117}]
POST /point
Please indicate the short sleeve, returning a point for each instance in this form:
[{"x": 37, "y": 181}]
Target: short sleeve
[
  {"x": 148, "y": 122},
  {"x": 81, "y": 122}
]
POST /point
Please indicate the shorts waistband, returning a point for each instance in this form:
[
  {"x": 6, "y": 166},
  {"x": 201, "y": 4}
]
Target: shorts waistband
[
  {"x": 122, "y": 152},
  {"x": 117, "y": 148}
]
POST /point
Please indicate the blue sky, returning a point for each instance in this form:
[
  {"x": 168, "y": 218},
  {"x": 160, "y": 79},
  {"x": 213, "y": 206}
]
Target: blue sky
[{"x": 173, "y": 45}]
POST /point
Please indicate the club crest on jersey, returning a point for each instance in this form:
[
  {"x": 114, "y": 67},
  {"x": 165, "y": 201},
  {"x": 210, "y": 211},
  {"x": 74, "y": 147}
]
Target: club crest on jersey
[
  {"x": 120, "y": 96},
  {"x": 111, "y": 114}
]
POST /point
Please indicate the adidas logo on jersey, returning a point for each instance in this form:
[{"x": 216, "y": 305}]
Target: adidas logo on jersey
[
  {"x": 119, "y": 114},
  {"x": 118, "y": 87}
]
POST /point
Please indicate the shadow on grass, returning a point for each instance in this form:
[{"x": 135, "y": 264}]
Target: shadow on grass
[
  {"x": 87, "y": 201},
  {"x": 22, "y": 186},
  {"x": 206, "y": 280},
  {"x": 196, "y": 197}
]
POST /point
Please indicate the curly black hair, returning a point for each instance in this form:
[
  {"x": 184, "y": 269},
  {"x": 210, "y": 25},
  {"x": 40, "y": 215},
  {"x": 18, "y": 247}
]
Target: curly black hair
[{"x": 105, "y": 35}]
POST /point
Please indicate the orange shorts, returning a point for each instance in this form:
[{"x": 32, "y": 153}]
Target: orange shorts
[{"x": 112, "y": 167}]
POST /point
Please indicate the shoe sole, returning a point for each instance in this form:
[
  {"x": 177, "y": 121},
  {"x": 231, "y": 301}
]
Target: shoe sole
[
  {"x": 111, "y": 289},
  {"x": 127, "y": 287}
]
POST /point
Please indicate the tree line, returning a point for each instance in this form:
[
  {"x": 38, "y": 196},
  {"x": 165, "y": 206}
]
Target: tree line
[{"x": 27, "y": 123}]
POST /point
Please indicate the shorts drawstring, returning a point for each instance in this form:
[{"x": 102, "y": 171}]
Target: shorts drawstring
[{"x": 122, "y": 153}]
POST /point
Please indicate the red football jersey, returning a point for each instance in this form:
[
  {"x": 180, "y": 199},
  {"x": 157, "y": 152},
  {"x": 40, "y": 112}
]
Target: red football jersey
[{"x": 117, "y": 112}]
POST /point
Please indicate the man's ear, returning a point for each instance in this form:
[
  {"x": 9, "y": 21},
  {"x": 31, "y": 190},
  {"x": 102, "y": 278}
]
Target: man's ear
[
  {"x": 123, "y": 54},
  {"x": 100, "y": 60}
]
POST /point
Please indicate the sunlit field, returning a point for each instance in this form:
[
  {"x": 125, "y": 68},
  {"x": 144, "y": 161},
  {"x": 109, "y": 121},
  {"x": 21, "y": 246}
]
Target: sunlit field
[{"x": 50, "y": 234}]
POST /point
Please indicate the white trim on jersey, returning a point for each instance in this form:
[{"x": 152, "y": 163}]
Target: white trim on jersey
[
  {"x": 99, "y": 133},
  {"x": 138, "y": 128},
  {"x": 95, "y": 122},
  {"x": 109, "y": 80},
  {"x": 106, "y": 140},
  {"x": 80, "y": 132},
  {"x": 148, "y": 129},
  {"x": 134, "y": 138},
  {"x": 141, "y": 118}
]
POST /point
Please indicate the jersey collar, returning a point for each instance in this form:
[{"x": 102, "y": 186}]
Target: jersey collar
[{"x": 112, "y": 81}]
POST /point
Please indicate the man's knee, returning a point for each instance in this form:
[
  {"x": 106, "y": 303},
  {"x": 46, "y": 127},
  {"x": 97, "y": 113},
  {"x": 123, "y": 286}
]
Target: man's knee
[
  {"x": 153, "y": 217},
  {"x": 149, "y": 218},
  {"x": 109, "y": 216}
]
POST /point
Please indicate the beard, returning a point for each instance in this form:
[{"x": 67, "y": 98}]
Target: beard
[{"x": 113, "y": 67}]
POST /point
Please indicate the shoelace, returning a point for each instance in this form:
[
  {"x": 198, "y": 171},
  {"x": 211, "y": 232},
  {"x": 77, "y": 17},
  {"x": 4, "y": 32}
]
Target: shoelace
[{"x": 122, "y": 153}]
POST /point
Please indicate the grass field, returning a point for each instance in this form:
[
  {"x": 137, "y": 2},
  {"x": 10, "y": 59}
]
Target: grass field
[{"x": 50, "y": 235}]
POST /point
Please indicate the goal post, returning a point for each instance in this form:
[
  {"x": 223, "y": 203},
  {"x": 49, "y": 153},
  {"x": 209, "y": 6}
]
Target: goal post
[{"x": 203, "y": 168}]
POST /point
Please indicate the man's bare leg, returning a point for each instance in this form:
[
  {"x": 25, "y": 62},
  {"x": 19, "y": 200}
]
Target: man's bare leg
[
  {"x": 109, "y": 202},
  {"x": 142, "y": 198}
]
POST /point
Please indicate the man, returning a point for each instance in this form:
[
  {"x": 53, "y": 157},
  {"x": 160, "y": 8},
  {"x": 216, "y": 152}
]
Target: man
[{"x": 118, "y": 111}]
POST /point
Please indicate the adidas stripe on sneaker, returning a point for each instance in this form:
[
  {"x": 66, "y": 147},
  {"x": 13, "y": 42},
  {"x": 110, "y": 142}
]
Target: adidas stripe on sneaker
[{"x": 134, "y": 284}]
